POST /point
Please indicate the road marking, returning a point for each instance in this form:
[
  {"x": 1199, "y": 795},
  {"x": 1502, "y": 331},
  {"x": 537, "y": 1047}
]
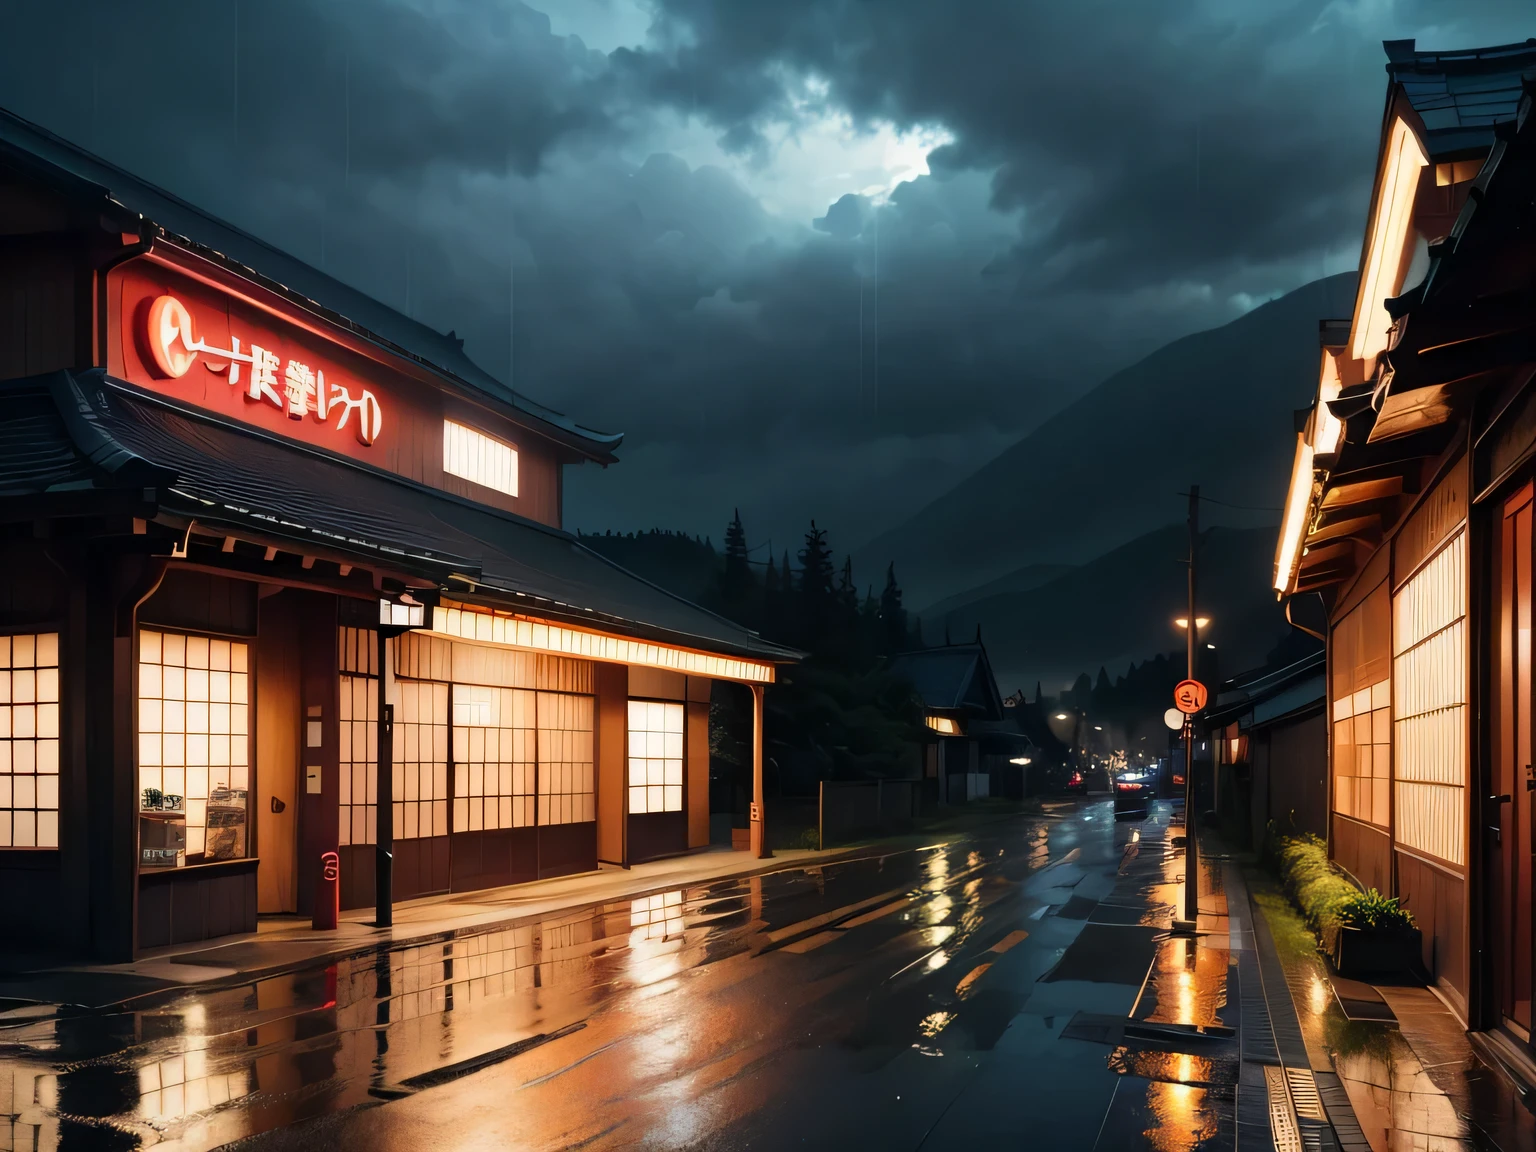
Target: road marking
[
  {"x": 878, "y": 913},
  {"x": 1017, "y": 936},
  {"x": 970, "y": 978},
  {"x": 826, "y": 918},
  {"x": 800, "y": 947}
]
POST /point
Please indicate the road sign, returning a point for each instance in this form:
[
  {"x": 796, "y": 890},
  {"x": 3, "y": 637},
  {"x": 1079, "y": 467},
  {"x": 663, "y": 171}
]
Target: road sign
[
  {"x": 1189, "y": 696},
  {"x": 1174, "y": 719}
]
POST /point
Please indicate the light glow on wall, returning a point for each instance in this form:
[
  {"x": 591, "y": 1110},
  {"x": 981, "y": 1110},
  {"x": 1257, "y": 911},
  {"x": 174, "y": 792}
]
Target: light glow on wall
[
  {"x": 487, "y": 627},
  {"x": 472, "y": 455},
  {"x": 1382, "y": 273},
  {"x": 1327, "y": 428},
  {"x": 1298, "y": 506}
]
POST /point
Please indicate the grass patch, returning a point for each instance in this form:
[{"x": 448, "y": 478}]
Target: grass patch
[{"x": 1327, "y": 899}]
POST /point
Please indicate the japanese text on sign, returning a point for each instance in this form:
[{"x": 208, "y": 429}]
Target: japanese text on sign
[{"x": 293, "y": 388}]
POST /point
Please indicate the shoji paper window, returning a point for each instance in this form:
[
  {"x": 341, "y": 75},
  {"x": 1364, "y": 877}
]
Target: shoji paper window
[
  {"x": 1360, "y": 706},
  {"x": 1429, "y": 647},
  {"x": 494, "y": 757},
  {"x": 565, "y": 759},
  {"x": 194, "y": 742},
  {"x": 359, "y": 716},
  {"x": 359, "y": 759},
  {"x": 655, "y": 757},
  {"x": 421, "y": 759},
  {"x": 29, "y": 741},
  {"x": 474, "y": 456}
]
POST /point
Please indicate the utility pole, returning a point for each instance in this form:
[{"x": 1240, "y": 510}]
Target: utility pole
[{"x": 1192, "y": 639}]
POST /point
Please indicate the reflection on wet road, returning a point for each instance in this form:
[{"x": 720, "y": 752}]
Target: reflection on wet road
[{"x": 875, "y": 1002}]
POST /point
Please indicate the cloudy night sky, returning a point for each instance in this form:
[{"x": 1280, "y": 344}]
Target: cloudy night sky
[{"x": 814, "y": 257}]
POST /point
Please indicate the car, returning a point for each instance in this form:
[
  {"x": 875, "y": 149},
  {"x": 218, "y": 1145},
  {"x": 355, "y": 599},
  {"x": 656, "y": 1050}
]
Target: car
[
  {"x": 1133, "y": 795},
  {"x": 1077, "y": 783}
]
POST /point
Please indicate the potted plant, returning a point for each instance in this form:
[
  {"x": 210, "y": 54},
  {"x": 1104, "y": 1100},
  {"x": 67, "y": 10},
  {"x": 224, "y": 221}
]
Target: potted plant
[{"x": 1374, "y": 935}]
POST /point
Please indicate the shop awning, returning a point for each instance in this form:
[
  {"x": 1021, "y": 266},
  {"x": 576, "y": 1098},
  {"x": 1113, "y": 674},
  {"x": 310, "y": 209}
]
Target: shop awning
[{"x": 238, "y": 479}]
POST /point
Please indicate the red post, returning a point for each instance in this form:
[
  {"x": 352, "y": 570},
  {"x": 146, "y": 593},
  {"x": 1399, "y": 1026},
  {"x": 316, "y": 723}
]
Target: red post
[{"x": 328, "y": 893}]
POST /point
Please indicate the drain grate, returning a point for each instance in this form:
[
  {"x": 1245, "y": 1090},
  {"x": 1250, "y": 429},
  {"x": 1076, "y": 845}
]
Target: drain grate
[
  {"x": 1282, "y": 1121},
  {"x": 1304, "y": 1096}
]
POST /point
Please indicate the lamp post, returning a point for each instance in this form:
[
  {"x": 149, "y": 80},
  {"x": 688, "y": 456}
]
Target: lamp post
[
  {"x": 396, "y": 617},
  {"x": 1192, "y": 623}
]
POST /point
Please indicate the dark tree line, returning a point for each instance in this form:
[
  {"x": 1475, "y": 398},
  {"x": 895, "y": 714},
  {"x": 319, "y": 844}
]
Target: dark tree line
[{"x": 814, "y": 605}]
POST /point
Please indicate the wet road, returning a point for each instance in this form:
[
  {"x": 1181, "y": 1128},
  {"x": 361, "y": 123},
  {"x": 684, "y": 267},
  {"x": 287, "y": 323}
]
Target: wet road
[{"x": 908, "y": 999}]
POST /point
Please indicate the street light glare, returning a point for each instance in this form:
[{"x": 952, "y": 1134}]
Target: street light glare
[
  {"x": 1200, "y": 621},
  {"x": 1061, "y": 715}
]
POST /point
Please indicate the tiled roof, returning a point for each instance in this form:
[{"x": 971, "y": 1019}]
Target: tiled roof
[
  {"x": 104, "y": 434},
  {"x": 953, "y": 678},
  {"x": 1460, "y": 96}
]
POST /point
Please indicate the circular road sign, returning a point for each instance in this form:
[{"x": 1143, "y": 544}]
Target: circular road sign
[
  {"x": 1189, "y": 696},
  {"x": 1174, "y": 719}
]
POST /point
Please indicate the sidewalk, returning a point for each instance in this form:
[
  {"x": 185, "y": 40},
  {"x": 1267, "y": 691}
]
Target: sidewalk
[
  {"x": 286, "y": 943},
  {"x": 1393, "y": 1066}
]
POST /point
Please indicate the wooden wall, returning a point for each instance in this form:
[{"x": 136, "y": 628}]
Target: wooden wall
[
  {"x": 611, "y": 751},
  {"x": 413, "y": 402},
  {"x": 279, "y": 773},
  {"x": 1364, "y": 851},
  {"x": 182, "y": 905},
  {"x": 696, "y": 761}
]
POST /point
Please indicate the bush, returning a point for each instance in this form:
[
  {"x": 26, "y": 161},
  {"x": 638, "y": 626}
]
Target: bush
[
  {"x": 1318, "y": 889},
  {"x": 811, "y": 838},
  {"x": 1373, "y": 910}
]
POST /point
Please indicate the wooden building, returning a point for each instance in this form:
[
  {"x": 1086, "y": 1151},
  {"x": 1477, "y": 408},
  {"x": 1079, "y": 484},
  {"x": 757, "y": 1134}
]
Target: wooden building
[
  {"x": 1409, "y": 516},
  {"x": 1268, "y": 733},
  {"x": 959, "y": 697},
  {"x": 222, "y": 473}
]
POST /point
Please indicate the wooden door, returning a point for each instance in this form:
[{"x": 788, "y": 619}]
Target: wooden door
[
  {"x": 279, "y": 747},
  {"x": 1510, "y": 808}
]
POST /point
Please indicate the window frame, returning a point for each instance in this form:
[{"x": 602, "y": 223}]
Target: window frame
[
  {"x": 40, "y": 628},
  {"x": 683, "y": 786}
]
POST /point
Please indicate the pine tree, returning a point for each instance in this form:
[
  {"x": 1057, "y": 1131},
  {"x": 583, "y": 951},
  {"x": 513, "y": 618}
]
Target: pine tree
[
  {"x": 737, "y": 588},
  {"x": 816, "y": 592},
  {"x": 892, "y": 614}
]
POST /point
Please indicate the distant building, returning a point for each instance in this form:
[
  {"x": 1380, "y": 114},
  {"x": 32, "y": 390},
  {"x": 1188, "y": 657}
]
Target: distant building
[
  {"x": 1409, "y": 522},
  {"x": 971, "y": 744},
  {"x": 1268, "y": 733}
]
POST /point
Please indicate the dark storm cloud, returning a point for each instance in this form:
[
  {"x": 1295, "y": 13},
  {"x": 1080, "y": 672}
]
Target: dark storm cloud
[{"x": 465, "y": 161}]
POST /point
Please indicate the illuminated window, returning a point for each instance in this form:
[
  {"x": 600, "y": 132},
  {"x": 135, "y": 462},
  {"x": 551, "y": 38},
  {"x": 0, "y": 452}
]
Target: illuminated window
[
  {"x": 359, "y": 759},
  {"x": 655, "y": 757},
  {"x": 1429, "y": 672},
  {"x": 420, "y": 759},
  {"x": 494, "y": 757},
  {"x": 419, "y": 776},
  {"x": 29, "y": 741},
  {"x": 475, "y": 457},
  {"x": 359, "y": 718},
  {"x": 565, "y": 759},
  {"x": 1362, "y": 754},
  {"x": 194, "y": 743},
  {"x": 943, "y": 725}
]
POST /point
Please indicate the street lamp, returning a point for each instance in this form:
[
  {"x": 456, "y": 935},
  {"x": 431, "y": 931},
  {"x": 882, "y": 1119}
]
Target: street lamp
[
  {"x": 396, "y": 616},
  {"x": 1200, "y": 621}
]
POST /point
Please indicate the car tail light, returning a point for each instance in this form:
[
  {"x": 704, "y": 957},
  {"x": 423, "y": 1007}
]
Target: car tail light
[
  {"x": 1077, "y": 778},
  {"x": 1178, "y": 780},
  {"x": 1125, "y": 787}
]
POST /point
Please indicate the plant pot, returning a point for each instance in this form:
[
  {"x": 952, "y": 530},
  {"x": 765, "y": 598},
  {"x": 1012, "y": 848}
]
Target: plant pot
[{"x": 1359, "y": 953}]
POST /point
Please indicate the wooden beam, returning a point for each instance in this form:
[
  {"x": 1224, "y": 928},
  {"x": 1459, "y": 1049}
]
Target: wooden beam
[
  {"x": 1362, "y": 491},
  {"x": 1366, "y": 528},
  {"x": 1316, "y": 558}
]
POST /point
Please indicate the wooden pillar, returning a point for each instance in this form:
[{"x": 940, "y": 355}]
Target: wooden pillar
[{"x": 759, "y": 834}]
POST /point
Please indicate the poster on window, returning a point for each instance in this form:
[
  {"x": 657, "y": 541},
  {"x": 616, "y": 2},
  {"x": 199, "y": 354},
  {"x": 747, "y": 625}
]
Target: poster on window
[{"x": 226, "y": 824}]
